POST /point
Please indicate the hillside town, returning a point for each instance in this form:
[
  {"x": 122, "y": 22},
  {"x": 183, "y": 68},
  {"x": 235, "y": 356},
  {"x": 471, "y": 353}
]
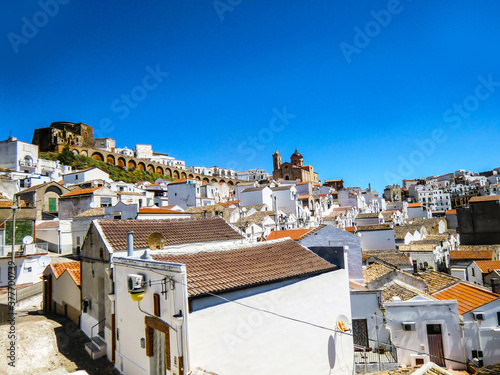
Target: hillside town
[{"x": 164, "y": 267}]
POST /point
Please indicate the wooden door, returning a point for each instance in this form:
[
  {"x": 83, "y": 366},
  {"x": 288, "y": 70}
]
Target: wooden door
[{"x": 435, "y": 340}]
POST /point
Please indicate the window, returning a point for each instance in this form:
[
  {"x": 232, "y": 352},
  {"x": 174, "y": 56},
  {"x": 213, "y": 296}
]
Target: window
[
  {"x": 498, "y": 318},
  {"x": 473, "y": 273},
  {"x": 76, "y": 177},
  {"x": 105, "y": 202}
]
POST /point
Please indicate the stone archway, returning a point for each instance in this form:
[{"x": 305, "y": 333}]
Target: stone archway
[
  {"x": 190, "y": 175},
  {"x": 131, "y": 164},
  {"x": 222, "y": 181},
  {"x": 168, "y": 172},
  {"x": 183, "y": 175},
  {"x": 151, "y": 168},
  {"x": 230, "y": 183},
  {"x": 176, "y": 175},
  {"x": 141, "y": 165},
  {"x": 121, "y": 162},
  {"x": 97, "y": 156},
  {"x": 84, "y": 153},
  {"x": 159, "y": 170},
  {"x": 206, "y": 180},
  {"x": 110, "y": 159},
  {"x": 214, "y": 180},
  {"x": 198, "y": 178}
]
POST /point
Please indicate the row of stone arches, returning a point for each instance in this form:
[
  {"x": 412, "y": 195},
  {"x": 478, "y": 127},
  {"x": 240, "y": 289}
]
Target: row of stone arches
[{"x": 127, "y": 162}]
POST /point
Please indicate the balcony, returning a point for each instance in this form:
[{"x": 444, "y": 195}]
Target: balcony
[{"x": 27, "y": 164}]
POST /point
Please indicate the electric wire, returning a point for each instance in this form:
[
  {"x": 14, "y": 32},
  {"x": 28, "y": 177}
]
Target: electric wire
[{"x": 317, "y": 325}]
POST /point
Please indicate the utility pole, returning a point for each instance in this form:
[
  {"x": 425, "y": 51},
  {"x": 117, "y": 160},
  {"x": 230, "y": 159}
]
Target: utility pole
[{"x": 12, "y": 255}]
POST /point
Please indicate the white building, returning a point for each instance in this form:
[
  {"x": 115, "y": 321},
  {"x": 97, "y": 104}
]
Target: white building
[
  {"x": 85, "y": 175},
  {"x": 426, "y": 330},
  {"x": 376, "y": 237},
  {"x": 187, "y": 193},
  {"x": 252, "y": 175},
  {"x": 479, "y": 309},
  {"x": 256, "y": 195},
  {"x": 107, "y": 144},
  {"x": 285, "y": 198},
  {"x": 143, "y": 152}
]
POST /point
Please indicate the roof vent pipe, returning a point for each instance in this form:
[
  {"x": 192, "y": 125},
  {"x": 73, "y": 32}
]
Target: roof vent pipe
[{"x": 130, "y": 244}]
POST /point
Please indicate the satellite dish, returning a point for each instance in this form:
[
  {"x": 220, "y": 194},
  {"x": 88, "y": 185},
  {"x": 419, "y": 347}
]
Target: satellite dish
[
  {"x": 44, "y": 260},
  {"x": 156, "y": 241},
  {"x": 343, "y": 323},
  {"x": 28, "y": 240},
  {"x": 93, "y": 205}
]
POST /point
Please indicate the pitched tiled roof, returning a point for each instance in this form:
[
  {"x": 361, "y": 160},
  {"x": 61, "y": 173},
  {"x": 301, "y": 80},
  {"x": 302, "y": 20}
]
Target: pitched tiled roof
[
  {"x": 398, "y": 290},
  {"x": 48, "y": 225},
  {"x": 468, "y": 296},
  {"x": 255, "y": 218},
  {"x": 80, "y": 192},
  {"x": 313, "y": 231},
  {"x": 294, "y": 234},
  {"x": 400, "y": 231},
  {"x": 451, "y": 212},
  {"x": 487, "y": 198},
  {"x": 368, "y": 216},
  {"x": 471, "y": 255},
  {"x": 393, "y": 257},
  {"x": 73, "y": 268},
  {"x": 415, "y": 205},
  {"x": 8, "y": 203},
  {"x": 82, "y": 170},
  {"x": 486, "y": 266},
  {"x": 175, "y": 231},
  {"x": 360, "y": 228},
  {"x": 437, "y": 280},
  {"x": 355, "y": 287},
  {"x": 158, "y": 210},
  {"x": 417, "y": 246},
  {"x": 478, "y": 247},
  {"x": 375, "y": 271},
  {"x": 92, "y": 212},
  {"x": 220, "y": 271}
]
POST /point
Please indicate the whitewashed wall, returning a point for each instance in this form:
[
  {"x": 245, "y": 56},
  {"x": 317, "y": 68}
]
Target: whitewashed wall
[
  {"x": 377, "y": 240},
  {"x": 232, "y": 339}
]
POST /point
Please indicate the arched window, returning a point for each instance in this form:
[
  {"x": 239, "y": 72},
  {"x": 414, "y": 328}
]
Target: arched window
[{"x": 28, "y": 160}]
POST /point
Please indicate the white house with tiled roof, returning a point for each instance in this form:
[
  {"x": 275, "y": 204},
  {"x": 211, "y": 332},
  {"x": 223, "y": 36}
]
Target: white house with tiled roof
[
  {"x": 480, "y": 268},
  {"x": 89, "y": 174},
  {"x": 260, "y": 301},
  {"x": 480, "y": 312}
]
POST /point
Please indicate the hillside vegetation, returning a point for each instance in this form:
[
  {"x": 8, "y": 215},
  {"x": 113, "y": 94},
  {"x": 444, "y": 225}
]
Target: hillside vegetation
[{"x": 124, "y": 174}]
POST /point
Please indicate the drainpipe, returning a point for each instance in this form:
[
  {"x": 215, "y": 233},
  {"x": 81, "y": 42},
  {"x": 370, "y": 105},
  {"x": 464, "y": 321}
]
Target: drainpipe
[{"x": 130, "y": 244}]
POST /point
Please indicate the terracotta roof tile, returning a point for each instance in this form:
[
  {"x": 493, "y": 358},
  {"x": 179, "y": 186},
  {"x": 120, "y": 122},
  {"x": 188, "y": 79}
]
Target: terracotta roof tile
[
  {"x": 93, "y": 212},
  {"x": 158, "y": 210},
  {"x": 468, "y": 296},
  {"x": 73, "y": 268},
  {"x": 48, "y": 225},
  {"x": 374, "y": 271},
  {"x": 487, "y": 198},
  {"x": 220, "y": 271},
  {"x": 451, "y": 212},
  {"x": 80, "y": 192},
  {"x": 478, "y": 247},
  {"x": 414, "y": 205},
  {"x": 368, "y": 215},
  {"x": 486, "y": 266},
  {"x": 294, "y": 234},
  {"x": 360, "y": 228},
  {"x": 400, "y": 231},
  {"x": 175, "y": 231},
  {"x": 471, "y": 255},
  {"x": 437, "y": 280},
  {"x": 393, "y": 257},
  {"x": 9, "y": 203},
  {"x": 398, "y": 290}
]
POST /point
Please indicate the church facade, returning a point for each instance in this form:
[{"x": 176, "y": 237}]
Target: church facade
[{"x": 293, "y": 170}]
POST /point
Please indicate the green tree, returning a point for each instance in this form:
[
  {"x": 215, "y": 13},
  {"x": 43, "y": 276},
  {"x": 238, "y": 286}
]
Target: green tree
[{"x": 66, "y": 157}]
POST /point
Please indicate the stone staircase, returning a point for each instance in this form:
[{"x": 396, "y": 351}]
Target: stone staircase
[{"x": 97, "y": 346}]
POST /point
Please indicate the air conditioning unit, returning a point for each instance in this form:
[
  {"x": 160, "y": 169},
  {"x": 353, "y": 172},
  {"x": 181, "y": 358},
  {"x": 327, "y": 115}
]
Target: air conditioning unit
[
  {"x": 135, "y": 283},
  {"x": 478, "y": 315},
  {"x": 419, "y": 359},
  {"x": 408, "y": 326}
]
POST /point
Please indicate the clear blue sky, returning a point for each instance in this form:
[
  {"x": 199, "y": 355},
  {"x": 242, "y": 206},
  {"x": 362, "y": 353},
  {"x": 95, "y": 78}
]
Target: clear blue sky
[{"x": 357, "y": 105}]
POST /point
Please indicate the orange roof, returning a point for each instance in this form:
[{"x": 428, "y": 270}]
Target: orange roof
[
  {"x": 304, "y": 196},
  {"x": 321, "y": 195},
  {"x": 181, "y": 181},
  {"x": 8, "y": 204},
  {"x": 468, "y": 296},
  {"x": 485, "y": 198},
  {"x": 157, "y": 210},
  {"x": 350, "y": 229},
  {"x": 73, "y": 268},
  {"x": 481, "y": 254},
  {"x": 61, "y": 182},
  {"x": 80, "y": 192},
  {"x": 228, "y": 203},
  {"x": 451, "y": 212},
  {"x": 487, "y": 266},
  {"x": 415, "y": 205},
  {"x": 302, "y": 183},
  {"x": 294, "y": 234}
]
